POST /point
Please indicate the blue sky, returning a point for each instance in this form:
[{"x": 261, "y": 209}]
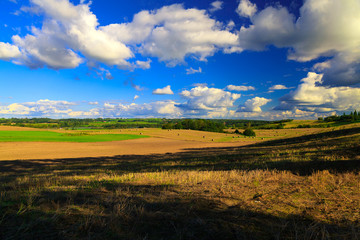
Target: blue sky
[{"x": 166, "y": 58}]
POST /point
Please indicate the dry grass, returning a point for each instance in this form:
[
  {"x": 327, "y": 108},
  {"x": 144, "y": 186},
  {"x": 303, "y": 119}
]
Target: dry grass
[{"x": 304, "y": 187}]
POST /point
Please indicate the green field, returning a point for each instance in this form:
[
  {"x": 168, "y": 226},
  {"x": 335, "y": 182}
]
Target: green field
[{"x": 47, "y": 136}]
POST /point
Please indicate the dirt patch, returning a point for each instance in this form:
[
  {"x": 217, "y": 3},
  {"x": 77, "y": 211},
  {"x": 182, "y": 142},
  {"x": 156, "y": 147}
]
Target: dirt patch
[
  {"x": 161, "y": 141},
  {"x": 51, "y": 150}
]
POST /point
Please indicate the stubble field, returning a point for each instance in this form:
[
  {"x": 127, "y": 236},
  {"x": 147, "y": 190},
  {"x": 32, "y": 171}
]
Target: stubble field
[{"x": 283, "y": 184}]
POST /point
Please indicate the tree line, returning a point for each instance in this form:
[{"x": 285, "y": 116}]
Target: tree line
[
  {"x": 197, "y": 124},
  {"x": 351, "y": 117}
]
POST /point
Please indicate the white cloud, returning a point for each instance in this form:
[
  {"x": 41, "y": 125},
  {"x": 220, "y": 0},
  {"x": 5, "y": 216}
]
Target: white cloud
[
  {"x": 163, "y": 91},
  {"x": 246, "y": 8},
  {"x": 68, "y": 28},
  {"x": 143, "y": 64},
  {"x": 230, "y": 25},
  {"x": 201, "y": 100},
  {"x": 45, "y": 108},
  {"x": 311, "y": 96},
  {"x": 14, "y": 109},
  {"x": 153, "y": 109},
  {"x": 8, "y": 51},
  {"x": 63, "y": 109},
  {"x": 270, "y": 26},
  {"x": 239, "y": 88},
  {"x": 254, "y": 104},
  {"x": 193, "y": 71},
  {"x": 215, "y": 6},
  {"x": 168, "y": 109},
  {"x": 71, "y": 31},
  {"x": 278, "y": 87},
  {"x": 325, "y": 28},
  {"x": 136, "y": 97},
  {"x": 172, "y": 33},
  {"x": 92, "y": 113}
]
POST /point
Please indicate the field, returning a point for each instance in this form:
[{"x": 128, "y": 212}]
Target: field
[
  {"x": 50, "y": 136},
  {"x": 283, "y": 184}
]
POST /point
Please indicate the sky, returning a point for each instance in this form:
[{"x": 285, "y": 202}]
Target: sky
[{"x": 238, "y": 59}]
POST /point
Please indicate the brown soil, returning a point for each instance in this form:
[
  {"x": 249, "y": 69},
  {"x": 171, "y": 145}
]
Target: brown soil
[
  {"x": 160, "y": 141},
  {"x": 143, "y": 146}
]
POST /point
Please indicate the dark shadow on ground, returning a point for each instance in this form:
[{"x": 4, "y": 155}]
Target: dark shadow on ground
[
  {"x": 138, "y": 212},
  {"x": 300, "y": 155},
  {"x": 137, "y": 217}
]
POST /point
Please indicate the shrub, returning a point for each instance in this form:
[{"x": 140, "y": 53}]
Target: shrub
[{"x": 249, "y": 132}]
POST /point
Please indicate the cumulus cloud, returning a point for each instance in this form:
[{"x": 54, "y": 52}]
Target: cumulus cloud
[
  {"x": 8, "y": 51},
  {"x": 14, "y": 109},
  {"x": 239, "y": 88},
  {"x": 325, "y": 28},
  {"x": 46, "y": 108},
  {"x": 254, "y": 104},
  {"x": 70, "y": 32},
  {"x": 202, "y": 100},
  {"x": 193, "y": 71},
  {"x": 246, "y": 8},
  {"x": 66, "y": 30},
  {"x": 64, "y": 109},
  {"x": 310, "y": 95},
  {"x": 153, "y": 109},
  {"x": 269, "y": 26},
  {"x": 136, "y": 97},
  {"x": 215, "y": 6},
  {"x": 143, "y": 64},
  {"x": 163, "y": 91},
  {"x": 172, "y": 32},
  {"x": 170, "y": 109}
]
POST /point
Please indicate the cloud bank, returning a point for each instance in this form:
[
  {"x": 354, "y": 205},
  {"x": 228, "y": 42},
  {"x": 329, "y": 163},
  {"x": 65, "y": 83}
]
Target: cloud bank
[
  {"x": 325, "y": 28},
  {"x": 311, "y": 96},
  {"x": 71, "y": 34}
]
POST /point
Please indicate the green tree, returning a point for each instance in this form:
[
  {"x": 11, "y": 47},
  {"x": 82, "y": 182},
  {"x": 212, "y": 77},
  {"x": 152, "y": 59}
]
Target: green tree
[{"x": 249, "y": 131}]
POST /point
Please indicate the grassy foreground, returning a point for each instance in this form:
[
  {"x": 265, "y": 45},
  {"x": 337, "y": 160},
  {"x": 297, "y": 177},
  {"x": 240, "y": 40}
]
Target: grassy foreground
[
  {"x": 304, "y": 187},
  {"x": 48, "y": 136}
]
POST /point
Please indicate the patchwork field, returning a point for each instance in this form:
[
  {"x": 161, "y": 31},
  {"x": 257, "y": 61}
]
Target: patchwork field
[
  {"x": 29, "y": 143},
  {"x": 283, "y": 184}
]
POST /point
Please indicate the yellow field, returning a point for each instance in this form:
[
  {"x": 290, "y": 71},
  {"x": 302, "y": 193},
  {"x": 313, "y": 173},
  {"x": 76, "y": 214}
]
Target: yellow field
[{"x": 182, "y": 184}]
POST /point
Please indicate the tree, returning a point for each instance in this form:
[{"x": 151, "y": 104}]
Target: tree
[{"x": 249, "y": 131}]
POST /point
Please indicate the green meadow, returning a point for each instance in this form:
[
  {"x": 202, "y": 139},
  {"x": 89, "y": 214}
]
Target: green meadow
[{"x": 48, "y": 136}]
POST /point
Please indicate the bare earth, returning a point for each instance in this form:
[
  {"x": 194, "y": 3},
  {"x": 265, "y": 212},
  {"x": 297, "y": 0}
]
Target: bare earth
[
  {"x": 161, "y": 141},
  {"x": 143, "y": 146}
]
